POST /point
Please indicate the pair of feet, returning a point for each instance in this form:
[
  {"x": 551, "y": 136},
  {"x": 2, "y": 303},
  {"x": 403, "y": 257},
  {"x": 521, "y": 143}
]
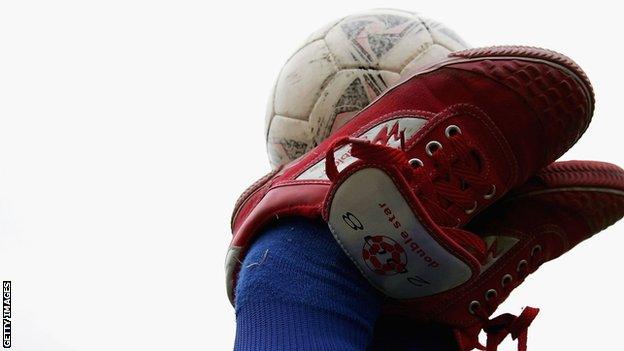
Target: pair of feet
[{"x": 402, "y": 183}]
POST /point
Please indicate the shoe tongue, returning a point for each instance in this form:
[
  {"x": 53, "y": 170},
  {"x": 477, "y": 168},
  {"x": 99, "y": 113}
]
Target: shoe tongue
[
  {"x": 396, "y": 245},
  {"x": 471, "y": 242}
]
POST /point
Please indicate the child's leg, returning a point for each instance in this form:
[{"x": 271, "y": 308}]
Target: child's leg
[{"x": 297, "y": 290}]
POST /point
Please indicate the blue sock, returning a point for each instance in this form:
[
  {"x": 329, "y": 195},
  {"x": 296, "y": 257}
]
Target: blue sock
[{"x": 297, "y": 290}]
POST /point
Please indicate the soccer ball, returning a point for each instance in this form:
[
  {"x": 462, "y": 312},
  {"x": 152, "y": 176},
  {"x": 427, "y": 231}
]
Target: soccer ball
[{"x": 341, "y": 68}]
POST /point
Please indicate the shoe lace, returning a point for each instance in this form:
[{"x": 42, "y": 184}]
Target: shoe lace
[
  {"x": 505, "y": 324},
  {"x": 448, "y": 190},
  {"x": 499, "y": 327}
]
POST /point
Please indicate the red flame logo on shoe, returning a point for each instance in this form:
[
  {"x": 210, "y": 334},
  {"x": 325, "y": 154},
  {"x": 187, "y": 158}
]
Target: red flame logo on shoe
[{"x": 384, "y": 136}]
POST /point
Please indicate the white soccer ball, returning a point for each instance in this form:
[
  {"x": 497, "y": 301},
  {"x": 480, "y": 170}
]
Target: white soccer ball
[{"x": 341, "y": 68}]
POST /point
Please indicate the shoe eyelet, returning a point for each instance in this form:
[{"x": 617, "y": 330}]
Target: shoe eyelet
[
  {"x": 432, "y": 147},
  {"x": 473, "y": 307},
  {"x": 415, "y": 162},
  {"x": 535, "y": 250},
  {"x": 521, "y": 265},
  {"x": 452, "y": 130},
  {"x": 490, "y": 294},
  {"x": 506, "y": 280},
  {"x": 471, "y": 210},
  {"x": 491, "y": 193}
]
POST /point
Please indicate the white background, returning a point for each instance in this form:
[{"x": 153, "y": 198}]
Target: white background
[{"x": 128, "y": 129}]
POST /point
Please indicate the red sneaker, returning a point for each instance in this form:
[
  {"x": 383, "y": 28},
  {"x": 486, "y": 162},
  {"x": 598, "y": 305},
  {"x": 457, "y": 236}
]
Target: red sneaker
[
  {"x": 434, "y": 150},
  {"x": 555, "y": 210}
]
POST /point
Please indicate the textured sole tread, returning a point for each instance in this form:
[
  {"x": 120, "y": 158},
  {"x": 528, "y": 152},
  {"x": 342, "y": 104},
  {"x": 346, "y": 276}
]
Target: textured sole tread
[
  {"x": 553, "y": 85},
  {"x": 532, "y": 52},
  {"x": 579, "y": 174}
]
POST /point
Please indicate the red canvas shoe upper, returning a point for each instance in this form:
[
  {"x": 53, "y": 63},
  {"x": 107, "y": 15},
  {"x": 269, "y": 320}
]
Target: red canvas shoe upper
[
  {"x": 554, "y": 211},
  {"x": 453, "y": 139}
]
